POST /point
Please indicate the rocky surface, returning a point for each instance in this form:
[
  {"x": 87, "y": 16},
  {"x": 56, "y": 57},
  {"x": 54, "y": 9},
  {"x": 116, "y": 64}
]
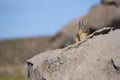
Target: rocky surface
[{"x": 95, "y": 58}]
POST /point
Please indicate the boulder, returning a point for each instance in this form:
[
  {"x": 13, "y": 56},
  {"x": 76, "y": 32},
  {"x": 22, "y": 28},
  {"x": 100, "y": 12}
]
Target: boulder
[{"x": 95, "y": 58}]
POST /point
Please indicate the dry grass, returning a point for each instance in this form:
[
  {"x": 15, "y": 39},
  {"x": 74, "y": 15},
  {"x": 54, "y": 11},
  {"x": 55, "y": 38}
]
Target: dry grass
[
  {"x": 12, "y": 72},
  {"x": 17, "y": 51}
]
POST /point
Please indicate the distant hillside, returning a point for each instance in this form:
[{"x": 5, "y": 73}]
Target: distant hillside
[{"x": 17, "y": 51}]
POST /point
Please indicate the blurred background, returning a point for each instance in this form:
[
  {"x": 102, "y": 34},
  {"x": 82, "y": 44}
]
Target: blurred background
[{"x": 26, "y": 27}]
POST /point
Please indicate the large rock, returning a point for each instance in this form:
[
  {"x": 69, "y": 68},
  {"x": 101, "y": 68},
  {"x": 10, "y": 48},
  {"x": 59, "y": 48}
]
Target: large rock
[
  {"x": 101, "y": 15},
  {"x": 95, "y": 58}
]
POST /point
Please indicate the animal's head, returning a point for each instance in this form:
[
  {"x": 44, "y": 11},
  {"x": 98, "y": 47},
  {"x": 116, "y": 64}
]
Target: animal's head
[{"x": 83, "y": 28}]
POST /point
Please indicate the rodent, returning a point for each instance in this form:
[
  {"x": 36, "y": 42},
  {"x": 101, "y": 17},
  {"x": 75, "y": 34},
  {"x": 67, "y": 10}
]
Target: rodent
[{"x": 82, "y": 33}]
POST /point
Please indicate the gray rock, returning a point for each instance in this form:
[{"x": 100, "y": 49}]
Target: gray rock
[{"x": 95, "y": 58}]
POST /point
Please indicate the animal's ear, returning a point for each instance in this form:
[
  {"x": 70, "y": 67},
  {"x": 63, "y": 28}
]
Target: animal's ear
[{"x": 80, "y": 24}]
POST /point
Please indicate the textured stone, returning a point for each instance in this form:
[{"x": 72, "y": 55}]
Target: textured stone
[{"x": 95, "y": 58}]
